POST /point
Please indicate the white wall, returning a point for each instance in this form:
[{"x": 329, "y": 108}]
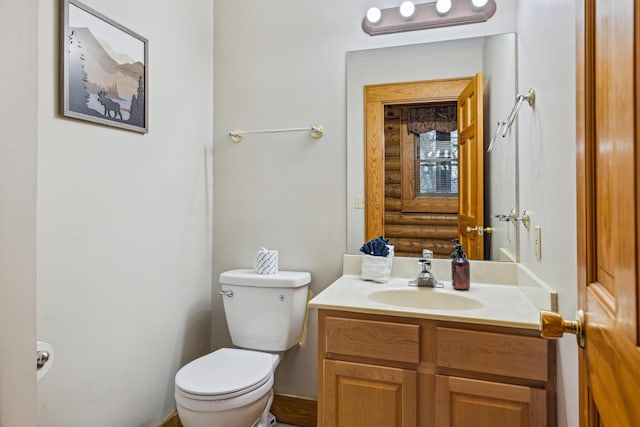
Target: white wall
[
  {"x": 281, "y": 65},
  {"x": 18, "y": 179},
  {"x": 124, "y": 255},
  {"x": 547, "y": 167}
]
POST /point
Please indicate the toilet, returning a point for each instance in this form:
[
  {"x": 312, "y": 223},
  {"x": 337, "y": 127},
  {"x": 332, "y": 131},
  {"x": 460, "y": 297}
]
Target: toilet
[{"x": 233, "y": 387}]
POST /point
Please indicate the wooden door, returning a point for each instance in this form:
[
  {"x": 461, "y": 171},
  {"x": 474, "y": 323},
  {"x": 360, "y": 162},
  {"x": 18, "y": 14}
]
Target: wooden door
[
  {"x": 360, "y": 395},
  {"x": 463, "y": 402},
  {"x": 607, "y": 195},
  {"x": 471, "y": 170}
]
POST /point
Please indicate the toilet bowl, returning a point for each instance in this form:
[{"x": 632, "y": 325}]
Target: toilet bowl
[{"x": 229, "y": 387}]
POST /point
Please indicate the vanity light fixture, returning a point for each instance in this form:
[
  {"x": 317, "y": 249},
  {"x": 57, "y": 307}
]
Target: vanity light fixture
[
  {"x": 479, "y": 4},
  {"x": 407, "y": 8},
  {"x": 443, "y": 7},
  {"x": 434, "y": 14},
  {"x": 374, "y": 15}
]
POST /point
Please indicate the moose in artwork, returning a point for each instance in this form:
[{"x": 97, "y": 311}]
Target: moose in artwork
[{"x": 109, "y": 105}]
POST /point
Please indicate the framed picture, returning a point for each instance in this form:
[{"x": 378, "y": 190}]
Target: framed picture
[{"x": 103, "y": 71}]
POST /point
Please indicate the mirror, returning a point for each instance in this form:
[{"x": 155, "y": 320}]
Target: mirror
[{"x": 495, "y": 57}]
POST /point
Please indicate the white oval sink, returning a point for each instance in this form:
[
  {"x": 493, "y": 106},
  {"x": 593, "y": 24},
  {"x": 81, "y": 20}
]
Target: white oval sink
[{"x": 425, "y": 298}]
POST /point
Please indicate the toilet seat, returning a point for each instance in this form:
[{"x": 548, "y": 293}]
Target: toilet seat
[
  {"x": 225, "y": 373},
  {"x": 211, "y": 404}
]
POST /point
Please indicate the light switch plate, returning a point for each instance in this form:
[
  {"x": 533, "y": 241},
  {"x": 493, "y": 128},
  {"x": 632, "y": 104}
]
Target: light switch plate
[{"x": 537, "y": 234}]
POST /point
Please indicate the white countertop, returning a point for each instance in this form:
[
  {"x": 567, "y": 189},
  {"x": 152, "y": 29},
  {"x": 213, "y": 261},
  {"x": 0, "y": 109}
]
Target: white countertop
[{"x": 501, "y": 304}]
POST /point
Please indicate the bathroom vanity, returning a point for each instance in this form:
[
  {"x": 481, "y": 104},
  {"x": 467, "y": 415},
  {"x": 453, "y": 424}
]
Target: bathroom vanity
[{"x": 393, "y": 355}]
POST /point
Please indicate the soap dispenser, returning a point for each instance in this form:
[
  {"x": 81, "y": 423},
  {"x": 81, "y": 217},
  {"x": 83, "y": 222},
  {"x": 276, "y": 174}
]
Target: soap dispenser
[
  {"x": 460, "y": 274},
  {"x": 453, "y": 256}
]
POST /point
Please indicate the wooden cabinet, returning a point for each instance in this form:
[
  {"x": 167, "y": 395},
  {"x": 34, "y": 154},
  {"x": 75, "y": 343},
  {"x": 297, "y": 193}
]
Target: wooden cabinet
[
  {"x": 368, "y": 395},
  {"x": 376, "y": 370},
  {"x": 463, "y": 402}
]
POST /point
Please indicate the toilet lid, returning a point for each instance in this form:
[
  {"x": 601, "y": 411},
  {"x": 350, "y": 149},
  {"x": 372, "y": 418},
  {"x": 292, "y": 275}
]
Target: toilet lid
[{"x": 224, "y": 372}]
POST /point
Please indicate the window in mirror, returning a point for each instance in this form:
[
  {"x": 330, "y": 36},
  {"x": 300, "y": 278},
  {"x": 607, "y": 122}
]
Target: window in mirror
[
  {"x": 429, "y": 161},
  {"x": 436, "y": 164}
]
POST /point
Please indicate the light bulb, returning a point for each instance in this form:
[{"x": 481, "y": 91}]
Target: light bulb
[
  {"x": 443, "y": 6},
  {"x": 407, "y": 8},
  {"x": 374, "y": 15},
  {"x": 479, "y": 4}
]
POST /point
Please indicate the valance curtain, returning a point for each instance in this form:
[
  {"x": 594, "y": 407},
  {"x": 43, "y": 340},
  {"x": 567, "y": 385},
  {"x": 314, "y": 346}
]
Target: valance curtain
[{"x": 441, "y": 118}]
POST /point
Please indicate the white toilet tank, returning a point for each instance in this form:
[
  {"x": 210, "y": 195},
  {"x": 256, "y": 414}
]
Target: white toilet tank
[{"x": 265, "y": 311}]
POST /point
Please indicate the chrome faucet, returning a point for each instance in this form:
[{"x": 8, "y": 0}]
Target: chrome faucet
[{"x": 425, "y": 278}]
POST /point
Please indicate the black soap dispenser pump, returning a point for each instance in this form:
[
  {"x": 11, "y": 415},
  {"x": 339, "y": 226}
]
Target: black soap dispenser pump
[{"x": 460, "y": 274}]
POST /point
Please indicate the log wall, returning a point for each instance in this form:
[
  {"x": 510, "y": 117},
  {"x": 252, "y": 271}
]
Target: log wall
[{"x": 410, "y": 232}]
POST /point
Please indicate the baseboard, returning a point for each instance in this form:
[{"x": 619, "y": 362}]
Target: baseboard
[
  {"x": 296, "y": 410},
  {"x": 171, "y": 421}
]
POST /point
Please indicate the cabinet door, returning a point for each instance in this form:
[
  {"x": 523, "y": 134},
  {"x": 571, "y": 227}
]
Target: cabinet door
[
  {"x": 360, "y": 395},
  {"x": 462, "y": 402}
]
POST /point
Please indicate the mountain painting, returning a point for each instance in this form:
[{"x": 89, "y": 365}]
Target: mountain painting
[{"x": 104, "y": 70}]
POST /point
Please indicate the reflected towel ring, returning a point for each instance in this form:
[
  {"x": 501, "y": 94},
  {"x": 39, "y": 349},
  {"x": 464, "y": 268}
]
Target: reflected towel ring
[
  {"x": 501, "y": 124},
  {"x": 505, "y": 125}
]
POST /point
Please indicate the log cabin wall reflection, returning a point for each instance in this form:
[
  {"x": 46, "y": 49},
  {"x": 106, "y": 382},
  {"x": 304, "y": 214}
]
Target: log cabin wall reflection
[{"x": 421, "y": 186}]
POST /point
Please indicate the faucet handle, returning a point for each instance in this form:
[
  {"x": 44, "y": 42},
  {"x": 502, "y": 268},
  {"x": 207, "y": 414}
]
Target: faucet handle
[
  {"x": 425, "y": 263},
  {"x": 427, "y": 253},
  {"x": 425, "y": 278}
]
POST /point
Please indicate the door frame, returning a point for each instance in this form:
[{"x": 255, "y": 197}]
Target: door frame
[
  {"x": 585, "y": 164},
  {"x": 18, "y": 219},
  {"x": 375, "y": 99}
]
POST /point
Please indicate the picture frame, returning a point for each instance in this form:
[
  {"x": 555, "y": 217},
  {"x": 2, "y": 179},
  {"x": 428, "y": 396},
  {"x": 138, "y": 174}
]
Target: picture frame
[{"x": 104, "y": 70}]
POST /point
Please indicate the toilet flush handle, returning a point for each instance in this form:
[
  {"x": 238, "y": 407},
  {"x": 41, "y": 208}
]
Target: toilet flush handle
[{"x": 227, "y": 293}]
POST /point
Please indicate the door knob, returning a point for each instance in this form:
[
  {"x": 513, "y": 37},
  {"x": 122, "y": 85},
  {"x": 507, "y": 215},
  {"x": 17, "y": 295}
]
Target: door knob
[
  {"x": 479, "y": 230},
  {"x": 553, "y": 326}
]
